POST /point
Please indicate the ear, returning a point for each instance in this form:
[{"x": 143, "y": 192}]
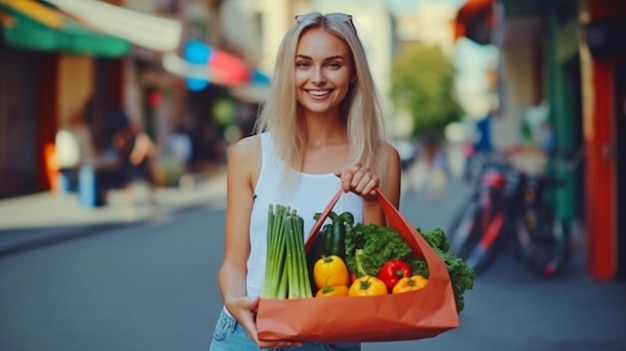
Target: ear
[{"x": 353, "y": 78}]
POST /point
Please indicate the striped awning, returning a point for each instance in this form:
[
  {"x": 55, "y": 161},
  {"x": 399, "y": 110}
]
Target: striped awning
[
  {"x": 30, "y": 25},
  {"x": 148, "y": 31}
]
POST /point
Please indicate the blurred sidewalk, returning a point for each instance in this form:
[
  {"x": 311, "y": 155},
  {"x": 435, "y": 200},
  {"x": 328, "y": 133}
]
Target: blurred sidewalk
[{"x": 44, "y": 218}]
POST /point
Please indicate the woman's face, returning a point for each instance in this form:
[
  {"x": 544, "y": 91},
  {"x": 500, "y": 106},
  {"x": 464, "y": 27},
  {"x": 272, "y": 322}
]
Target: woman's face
[{"x": 323, "y": 71}]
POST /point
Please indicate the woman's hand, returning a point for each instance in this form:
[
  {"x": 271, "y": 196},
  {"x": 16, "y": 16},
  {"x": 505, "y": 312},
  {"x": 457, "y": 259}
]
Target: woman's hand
[
  {"x": 360, "y": 181},
  {"x": 243, "y": 310}
]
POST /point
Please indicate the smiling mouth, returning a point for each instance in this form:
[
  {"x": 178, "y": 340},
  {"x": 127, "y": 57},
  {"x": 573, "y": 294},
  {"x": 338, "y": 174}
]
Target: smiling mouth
[{"x": 319, "y": 93}]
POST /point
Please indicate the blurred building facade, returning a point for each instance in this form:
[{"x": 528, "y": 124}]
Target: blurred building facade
[
  {"x": 562, "y": 64},
  {"x": 105, "y": 60},
  {"x": 50, "y": 67}
]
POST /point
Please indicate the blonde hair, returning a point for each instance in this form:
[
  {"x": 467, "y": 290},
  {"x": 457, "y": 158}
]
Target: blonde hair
[{"x": 360, "y": 108}]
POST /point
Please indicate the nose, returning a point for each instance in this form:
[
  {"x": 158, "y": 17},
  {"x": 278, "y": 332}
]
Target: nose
[{"x": 318, "y": 76}]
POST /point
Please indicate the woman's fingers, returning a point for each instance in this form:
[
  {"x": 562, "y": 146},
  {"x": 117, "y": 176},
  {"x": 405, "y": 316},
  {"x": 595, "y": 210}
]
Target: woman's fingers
[
  {"x": 243, "y": 309},
  {"x": 366, "y": 184},
  {"x": 359, "y": 180},
  {"x": 276, "y": 344},
  {"x": 246, "y": 310},
  {"x": 345, "y": 177}
]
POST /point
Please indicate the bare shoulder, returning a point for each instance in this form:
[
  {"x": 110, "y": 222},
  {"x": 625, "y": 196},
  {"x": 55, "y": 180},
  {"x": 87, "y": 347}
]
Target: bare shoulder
[
  {"x": 244, "y": 159},
  {"x": 245, "y": 150},
  {"x": 390, "y": 152}
]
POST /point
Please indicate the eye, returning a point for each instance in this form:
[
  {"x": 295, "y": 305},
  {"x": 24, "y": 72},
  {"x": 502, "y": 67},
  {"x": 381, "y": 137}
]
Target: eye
[
  {"x": 302, "y": 64},
  {"x": 334, "y": 65}
]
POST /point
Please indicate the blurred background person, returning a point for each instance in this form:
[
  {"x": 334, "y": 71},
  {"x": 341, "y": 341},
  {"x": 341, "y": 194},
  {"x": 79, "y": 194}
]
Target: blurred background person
[
  {"x": 429, "y": 171},
  {"x": 481, "y": 148},
  {"x": 181, "y": 151},
  {"x": 137, "y": 154},
  {"x": 73, "y": 144}
]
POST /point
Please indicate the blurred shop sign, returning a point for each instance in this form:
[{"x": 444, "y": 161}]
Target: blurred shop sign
[{"x": 203, "y": 64}]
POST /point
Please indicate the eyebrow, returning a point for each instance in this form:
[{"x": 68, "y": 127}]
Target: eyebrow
[{"x": 334, "y": 57}]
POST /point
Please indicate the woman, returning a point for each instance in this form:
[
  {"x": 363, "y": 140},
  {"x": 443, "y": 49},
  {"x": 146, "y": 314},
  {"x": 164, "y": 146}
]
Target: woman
[{"x": 320, "y": 129}]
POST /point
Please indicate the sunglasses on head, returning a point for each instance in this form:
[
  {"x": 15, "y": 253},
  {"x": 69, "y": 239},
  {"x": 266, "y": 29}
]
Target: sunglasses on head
[{"x": 342, "y": 17}]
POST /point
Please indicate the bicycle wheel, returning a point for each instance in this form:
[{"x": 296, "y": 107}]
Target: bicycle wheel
[
  {"x": 486, "y": 249},
  {"x": 547, "y": 244},
  {"x": 463, "y": 234}
]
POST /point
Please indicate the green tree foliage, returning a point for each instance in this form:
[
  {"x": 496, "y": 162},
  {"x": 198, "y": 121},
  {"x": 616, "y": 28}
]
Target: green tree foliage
[{"x": 422, "y": 84}]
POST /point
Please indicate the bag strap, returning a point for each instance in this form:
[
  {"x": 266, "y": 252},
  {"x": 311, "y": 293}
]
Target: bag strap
[{"x": 320, "y": 221}]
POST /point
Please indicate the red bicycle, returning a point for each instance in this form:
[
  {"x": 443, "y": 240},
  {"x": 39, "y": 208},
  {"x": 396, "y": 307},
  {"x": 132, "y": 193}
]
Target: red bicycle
[{"x": 507, "y": 207}]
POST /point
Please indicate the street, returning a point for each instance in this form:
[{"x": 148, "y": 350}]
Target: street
[{"x": 153, "y": 287}]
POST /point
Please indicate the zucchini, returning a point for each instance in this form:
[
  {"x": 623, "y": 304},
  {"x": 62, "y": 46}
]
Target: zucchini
[
  {"x": 337, "y": 244},
  {"x": 318, "y": 249}
]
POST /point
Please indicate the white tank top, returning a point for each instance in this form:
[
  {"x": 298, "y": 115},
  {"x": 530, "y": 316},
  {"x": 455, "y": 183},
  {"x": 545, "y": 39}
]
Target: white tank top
[{"x": 309, "y": 195}]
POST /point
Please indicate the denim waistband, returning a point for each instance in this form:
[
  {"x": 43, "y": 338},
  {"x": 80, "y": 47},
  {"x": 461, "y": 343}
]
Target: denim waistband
[{"x": 229, "y": 322}]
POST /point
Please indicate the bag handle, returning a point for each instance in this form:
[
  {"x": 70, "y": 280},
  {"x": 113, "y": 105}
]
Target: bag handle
[
  {"x": 320, "y": 221},
  {"x": 395, "y": 219}
]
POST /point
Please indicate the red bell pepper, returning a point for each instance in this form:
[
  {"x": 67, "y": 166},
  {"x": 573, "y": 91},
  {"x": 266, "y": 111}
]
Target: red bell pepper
[{"x": 392, "y": 271}]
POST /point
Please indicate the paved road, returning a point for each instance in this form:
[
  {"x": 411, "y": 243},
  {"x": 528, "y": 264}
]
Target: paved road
[
  {"x": 146, "y": 287},
  {"x": 152, "y": 287}
]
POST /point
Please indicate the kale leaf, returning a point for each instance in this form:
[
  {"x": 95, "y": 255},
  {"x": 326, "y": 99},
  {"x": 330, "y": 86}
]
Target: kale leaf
[
  {"x": 461, "y": 275},
  {"x": 369, "y": 247}
]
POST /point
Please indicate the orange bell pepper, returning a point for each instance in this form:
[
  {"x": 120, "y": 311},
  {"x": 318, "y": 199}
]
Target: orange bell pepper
[
  {"x": 367, "y": 286},
  {"x": 407, "y": 284},
  {"x": 328, "y": 291}
]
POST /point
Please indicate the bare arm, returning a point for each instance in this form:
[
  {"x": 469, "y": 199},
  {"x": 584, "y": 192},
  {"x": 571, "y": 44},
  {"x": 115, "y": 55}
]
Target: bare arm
[
  {"x": 232, "y": 273},
  {"x": 372, "y": 211},
  {"x": 362, "y": 182},
  {"x": 243, "y": 165}
]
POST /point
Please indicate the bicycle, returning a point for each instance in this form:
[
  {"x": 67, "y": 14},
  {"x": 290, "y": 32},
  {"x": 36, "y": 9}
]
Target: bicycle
[{"x": 508, "y": 206}]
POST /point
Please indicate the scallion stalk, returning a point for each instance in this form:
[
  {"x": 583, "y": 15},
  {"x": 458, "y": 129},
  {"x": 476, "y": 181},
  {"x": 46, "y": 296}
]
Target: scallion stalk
[{"x": 286, "y": 272}]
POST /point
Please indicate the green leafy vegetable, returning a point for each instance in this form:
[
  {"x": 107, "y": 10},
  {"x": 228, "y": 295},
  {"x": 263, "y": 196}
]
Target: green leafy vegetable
[
  {"x": 369, "y": 247},
  {"x": 461, "y": 275}
]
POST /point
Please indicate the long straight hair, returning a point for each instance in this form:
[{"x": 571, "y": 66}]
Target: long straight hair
[{"x": 360, "y": 108}]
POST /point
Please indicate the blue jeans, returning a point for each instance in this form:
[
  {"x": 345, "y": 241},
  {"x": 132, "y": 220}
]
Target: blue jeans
[{"x": 230, "y": 336}]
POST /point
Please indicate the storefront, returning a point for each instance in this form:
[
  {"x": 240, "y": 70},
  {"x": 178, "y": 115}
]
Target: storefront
[
  {"x": 580, "y": 60},
  {"x": 47, "y": 71},
  {"x": 604, "y": 96}
]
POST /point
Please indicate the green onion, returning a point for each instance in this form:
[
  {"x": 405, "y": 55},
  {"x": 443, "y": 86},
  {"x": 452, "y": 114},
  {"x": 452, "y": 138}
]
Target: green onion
[{"x": 286, "y": 272}]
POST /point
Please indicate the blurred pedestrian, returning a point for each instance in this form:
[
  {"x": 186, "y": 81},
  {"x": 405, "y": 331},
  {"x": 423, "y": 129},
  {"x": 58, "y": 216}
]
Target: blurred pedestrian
[
  {"x": 319, "y": 130},
  {"x": 73, "y": 146},
  {"x": 137, "y": 153},
  {"x": 482, "y": 147},
  {"x": 431, "y": 173},
  {"x": 180, "y": 151}
]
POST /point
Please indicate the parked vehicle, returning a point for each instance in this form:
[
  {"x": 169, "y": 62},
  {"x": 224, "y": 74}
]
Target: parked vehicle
[{"x": 508, "y": 210}]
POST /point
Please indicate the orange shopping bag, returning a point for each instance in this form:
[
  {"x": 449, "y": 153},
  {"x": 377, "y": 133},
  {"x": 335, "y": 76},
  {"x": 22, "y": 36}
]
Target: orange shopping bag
[{"x": 412, "y": 315}]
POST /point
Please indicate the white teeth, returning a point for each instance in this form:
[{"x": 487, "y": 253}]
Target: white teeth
[{"x": 319, "y": 92}]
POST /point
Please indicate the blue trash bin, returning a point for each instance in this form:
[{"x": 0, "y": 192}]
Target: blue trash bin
[
  {"x": 90, "y": 188},
  {"x": 67, "y": 179}
]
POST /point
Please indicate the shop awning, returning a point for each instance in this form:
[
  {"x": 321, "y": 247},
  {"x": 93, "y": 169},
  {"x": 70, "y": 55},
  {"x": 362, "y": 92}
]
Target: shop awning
[
  {"x": 30, "y": 25},
  {"x": 475, "y": 20},
  {"x": 151, "y": 32}
]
